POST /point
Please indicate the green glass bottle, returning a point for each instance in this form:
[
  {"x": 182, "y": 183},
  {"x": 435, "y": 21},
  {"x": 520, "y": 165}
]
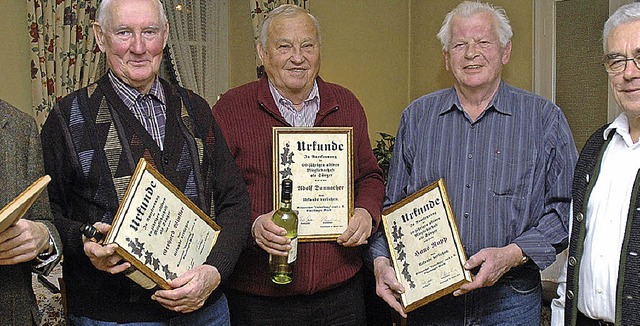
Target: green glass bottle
[{"x": 281, "y": 267}]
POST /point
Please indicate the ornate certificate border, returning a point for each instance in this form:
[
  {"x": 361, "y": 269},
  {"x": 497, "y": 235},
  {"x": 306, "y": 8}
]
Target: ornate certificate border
[
  {"x": 319, "y": 162},
  {"x": 425, "y": 246}
]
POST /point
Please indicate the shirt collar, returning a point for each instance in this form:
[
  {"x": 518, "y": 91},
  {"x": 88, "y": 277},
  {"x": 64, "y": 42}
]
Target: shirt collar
[
  {"x": 129, "y": 94},
  {"x": 281, "y": 100},
  {"x": 453, "y": 102},
  {"x": 621, "y": 127}
]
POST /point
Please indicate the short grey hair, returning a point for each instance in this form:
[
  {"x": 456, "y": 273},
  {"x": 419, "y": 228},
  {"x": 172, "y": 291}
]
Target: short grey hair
[
  {"x": 470, "y": 8},
  {"x": 626, "y": 14},
  {"x": 103, "y": 13},
  {"x": 285, "y": 10}
]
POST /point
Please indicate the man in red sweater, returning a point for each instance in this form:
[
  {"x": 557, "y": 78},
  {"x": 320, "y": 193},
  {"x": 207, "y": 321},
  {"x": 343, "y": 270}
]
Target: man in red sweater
[{"x": 327, "y": 288}]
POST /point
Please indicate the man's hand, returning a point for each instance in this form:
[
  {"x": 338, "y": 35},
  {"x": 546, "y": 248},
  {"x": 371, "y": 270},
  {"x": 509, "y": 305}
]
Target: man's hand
[
  {"x": 190, "y": 290},
  {"x": 22, "y": 242},
  {"x": 358, "y": 230},
  {"x": 493, "y": 263},
  {"x": 269, "y": 236},
  {"x": 102, "y": 257},
  {"x": 387, "y": 286}
]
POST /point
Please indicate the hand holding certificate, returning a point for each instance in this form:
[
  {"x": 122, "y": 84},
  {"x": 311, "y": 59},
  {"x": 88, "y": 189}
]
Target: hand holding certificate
[
  {"x": 15, "y": 209},
  {"x": 425, "y": 247},
  {"x": 159, "y": 230}
]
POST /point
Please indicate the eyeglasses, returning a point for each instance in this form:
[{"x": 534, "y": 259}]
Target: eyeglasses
[{"x": 616, "y": 64}]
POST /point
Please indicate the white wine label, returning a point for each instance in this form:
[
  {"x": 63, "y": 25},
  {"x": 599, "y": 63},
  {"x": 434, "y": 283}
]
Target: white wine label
[{"x": 293, "y": 253}]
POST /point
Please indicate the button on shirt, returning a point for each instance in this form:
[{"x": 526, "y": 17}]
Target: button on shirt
[
  {"x": 508, "y": 174},
  {"x": 306, "y": 116},
  {"x": 149, "y": 109},
  {"x": 606, "y": 219}
]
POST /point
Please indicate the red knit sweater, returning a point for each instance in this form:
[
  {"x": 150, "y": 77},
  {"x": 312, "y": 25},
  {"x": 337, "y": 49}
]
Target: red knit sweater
[{"x": 246, "y": 114}]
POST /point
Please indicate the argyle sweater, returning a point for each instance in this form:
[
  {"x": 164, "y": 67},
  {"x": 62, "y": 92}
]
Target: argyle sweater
[
  {"x": 628, "y": 286},
  {"x": 92, "y": 143}
]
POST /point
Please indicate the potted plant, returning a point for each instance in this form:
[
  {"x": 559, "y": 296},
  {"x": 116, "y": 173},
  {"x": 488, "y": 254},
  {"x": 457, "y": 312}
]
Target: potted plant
[{"x": 383, "y": 152}]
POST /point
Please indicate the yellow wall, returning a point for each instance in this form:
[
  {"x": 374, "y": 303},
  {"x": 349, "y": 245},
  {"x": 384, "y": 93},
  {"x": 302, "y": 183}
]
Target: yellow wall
[
  {"x": 365, "y": 49},
  {"x": 385, "y": 51},
  {"x": 15, "y": 84}
]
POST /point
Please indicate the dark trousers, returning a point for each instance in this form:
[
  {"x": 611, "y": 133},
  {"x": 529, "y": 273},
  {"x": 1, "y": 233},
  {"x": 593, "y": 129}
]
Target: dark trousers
[{"x": 343, "y": 305}]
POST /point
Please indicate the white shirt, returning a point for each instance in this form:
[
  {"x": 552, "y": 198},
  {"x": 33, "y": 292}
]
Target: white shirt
[{"x": 606, "y": 219}]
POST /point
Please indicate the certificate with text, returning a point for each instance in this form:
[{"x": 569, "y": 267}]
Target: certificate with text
[
  {"x": 159, "y": 230},
  {"x": 318, "y": 160},
  {"x": 425, "y": 246}
]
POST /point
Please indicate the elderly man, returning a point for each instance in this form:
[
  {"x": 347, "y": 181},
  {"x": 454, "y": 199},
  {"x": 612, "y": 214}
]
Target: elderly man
[
  {"x": 32, "y": 244},
  {"x": 601, "y": 285},
  {"x": 327, "y": 288},
  {"x": 93, "y": 139},
  {"x": 507, "y": 158}
]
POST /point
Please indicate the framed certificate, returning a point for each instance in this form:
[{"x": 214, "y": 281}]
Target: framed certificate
[
  {"x": 318, "y": 160},
  {"x": 159, "y": 230},
  {"x": 425, "y": 246}
]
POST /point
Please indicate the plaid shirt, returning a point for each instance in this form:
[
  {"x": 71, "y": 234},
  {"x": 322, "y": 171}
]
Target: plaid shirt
[{"x": 150, "y": 109}]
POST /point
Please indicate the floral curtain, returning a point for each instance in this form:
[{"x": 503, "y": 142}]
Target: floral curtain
[
  {"x": 64, "y": 56},
  {"x": 259, "y": 11},
  {"x": 198, "y": 43}
]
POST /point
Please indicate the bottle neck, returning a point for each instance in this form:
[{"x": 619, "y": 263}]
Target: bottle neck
[{"x": 285, "y": 203}]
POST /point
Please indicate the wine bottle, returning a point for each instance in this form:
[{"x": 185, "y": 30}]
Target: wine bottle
[{"x": 281, "y": 267}]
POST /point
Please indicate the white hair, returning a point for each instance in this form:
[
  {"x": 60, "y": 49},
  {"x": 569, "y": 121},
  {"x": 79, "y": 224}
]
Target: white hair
[
  {"x": 626, "y": 14},
  {"x": 285, "y": 10},
  {"x": 103, "y": 13},
  {"x": 470, "y": 8}
]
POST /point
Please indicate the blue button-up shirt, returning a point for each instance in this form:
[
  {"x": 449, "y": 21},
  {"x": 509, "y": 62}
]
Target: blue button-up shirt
[{"x": 508, "y": 174}]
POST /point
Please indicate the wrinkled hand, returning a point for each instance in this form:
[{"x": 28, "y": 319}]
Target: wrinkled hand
[
  {"x": 387, "y": 286},
  {"x": 271, "y": 237},
  {"x": 102, "y": 257},
  {"x": 494, "y": 263},
  {"x": 190, "y": 290},
  {"x": 22, "y": 242},
  {"x": 358, "y": 230}
]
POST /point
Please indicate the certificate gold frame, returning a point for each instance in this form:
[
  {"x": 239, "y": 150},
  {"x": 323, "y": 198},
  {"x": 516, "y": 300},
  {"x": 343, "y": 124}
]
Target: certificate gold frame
[
  {"x": 319, "y": 161},
  {"x": 427, "y": 254}
]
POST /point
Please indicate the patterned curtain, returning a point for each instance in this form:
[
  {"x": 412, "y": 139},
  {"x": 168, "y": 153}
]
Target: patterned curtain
[
  {"x": 259, "y": 11},
  {"x": 198, "y": 43},
  {"x": 64, "y": 56}
]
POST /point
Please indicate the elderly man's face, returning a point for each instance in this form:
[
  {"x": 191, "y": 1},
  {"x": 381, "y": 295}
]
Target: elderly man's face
[
  {"x": 624, "y": 42},
  {"x": 474, "y": 55},
  {"x": 291, "y": 56},
  {"x": 133, "y": 41}
]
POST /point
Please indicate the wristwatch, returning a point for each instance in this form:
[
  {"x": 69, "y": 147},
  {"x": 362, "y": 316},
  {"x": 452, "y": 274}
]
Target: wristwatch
[{"x": 46, "y": 254}]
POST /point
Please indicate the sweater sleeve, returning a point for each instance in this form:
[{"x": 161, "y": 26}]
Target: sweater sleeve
[
  {"x": 230, "y": 196},
  {"x": 59, "y": 165}
]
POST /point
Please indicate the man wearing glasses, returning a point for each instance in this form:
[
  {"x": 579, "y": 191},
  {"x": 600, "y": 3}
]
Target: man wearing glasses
[{"x": 601, "y": 285}]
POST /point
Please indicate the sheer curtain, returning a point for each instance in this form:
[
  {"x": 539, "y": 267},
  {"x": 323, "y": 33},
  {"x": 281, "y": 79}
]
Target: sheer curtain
[
  {"x": 64, "y": 56},
  {"x": 198, "y": 45}
]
